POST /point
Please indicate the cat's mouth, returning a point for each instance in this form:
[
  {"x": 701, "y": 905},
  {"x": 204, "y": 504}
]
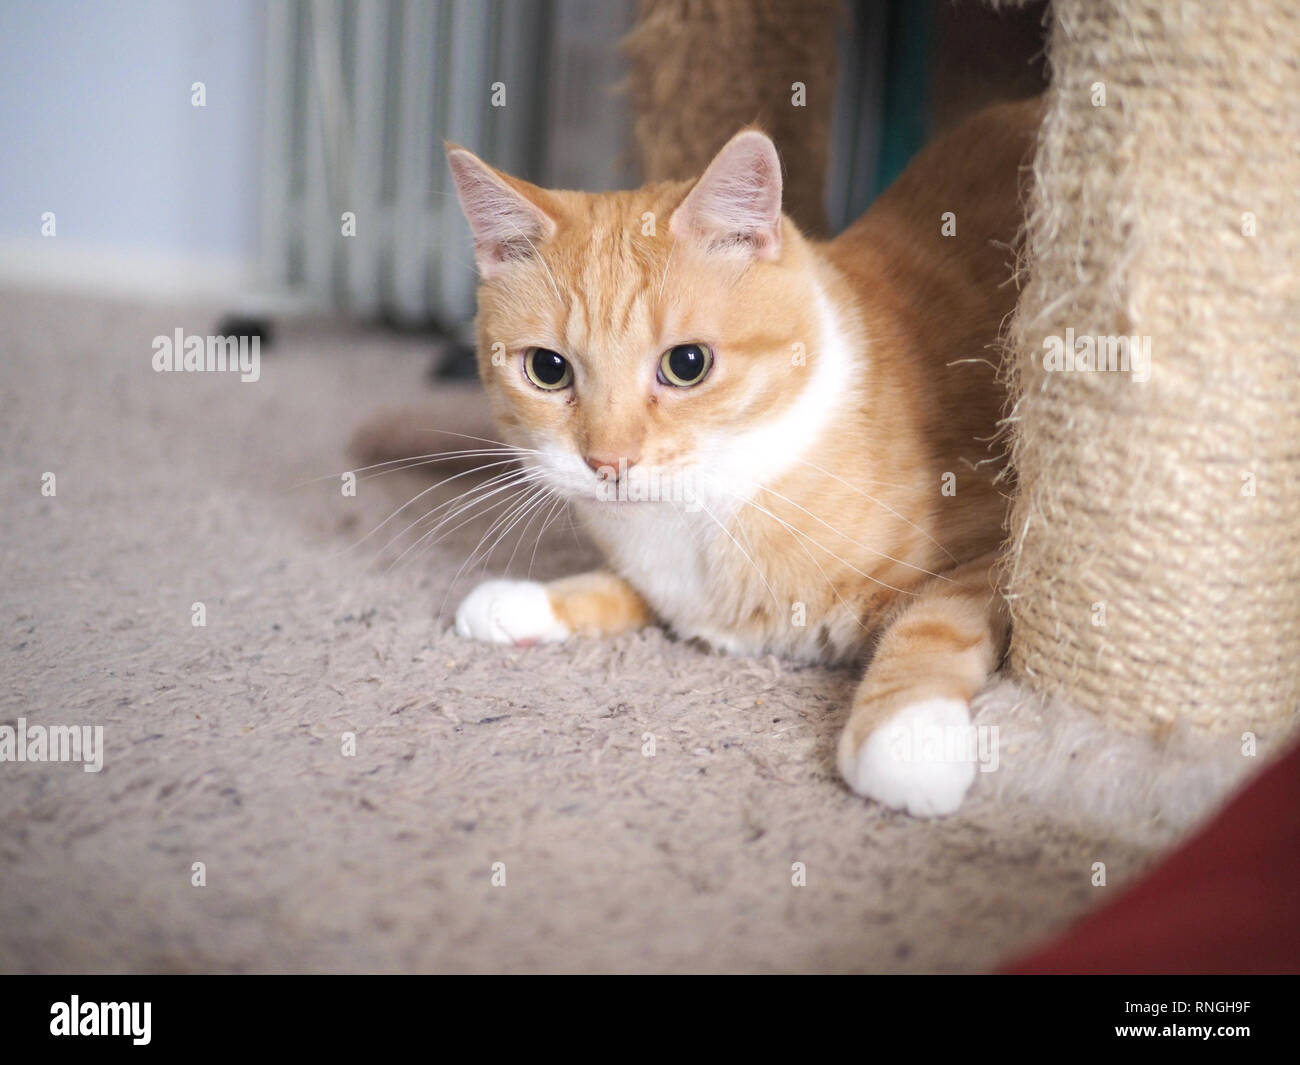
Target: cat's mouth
[
  {"x": 624, "y": 504},
  {"x": 628, "y": 488},
  {"x": 647, "y": 485}
]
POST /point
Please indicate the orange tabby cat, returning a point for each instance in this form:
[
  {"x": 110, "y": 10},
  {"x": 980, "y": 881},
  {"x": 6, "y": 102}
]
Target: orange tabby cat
[{"x": 779, "y": 445}]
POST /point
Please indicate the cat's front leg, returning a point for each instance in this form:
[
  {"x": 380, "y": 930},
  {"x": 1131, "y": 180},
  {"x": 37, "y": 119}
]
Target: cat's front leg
[
  {"x": 909, "y": 742},
  {"x": 526, "y": 612}
]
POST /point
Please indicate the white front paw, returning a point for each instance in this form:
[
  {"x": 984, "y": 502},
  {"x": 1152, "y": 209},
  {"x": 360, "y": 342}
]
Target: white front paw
[
  {"x": 517, "y": 612},
  {"x": 919, "y": 760}
]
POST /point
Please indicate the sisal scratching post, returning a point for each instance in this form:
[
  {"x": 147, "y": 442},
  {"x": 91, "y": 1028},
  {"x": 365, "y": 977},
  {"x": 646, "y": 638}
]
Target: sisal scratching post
[
  {"x": 699, "y": 70},
  {"x": 1153, "y": 571}
]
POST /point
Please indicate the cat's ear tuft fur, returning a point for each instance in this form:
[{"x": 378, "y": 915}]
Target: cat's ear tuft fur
[
  {"x": 736, "y": 204},
  {"x": 505, "y": 214}
]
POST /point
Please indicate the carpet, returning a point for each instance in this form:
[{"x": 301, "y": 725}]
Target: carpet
[{"x": 500, "y": 809}]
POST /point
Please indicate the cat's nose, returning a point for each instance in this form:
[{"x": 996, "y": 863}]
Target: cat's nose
[{"x": 610, "y": 462}]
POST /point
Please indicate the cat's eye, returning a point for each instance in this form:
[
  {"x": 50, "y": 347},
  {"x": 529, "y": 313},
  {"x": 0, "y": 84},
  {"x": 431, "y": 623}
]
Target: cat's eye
[
  {"x": 547, "y": 369},
  {"x": 685, "y": 365}
]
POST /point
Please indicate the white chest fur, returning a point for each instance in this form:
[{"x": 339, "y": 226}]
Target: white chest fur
[
  {"x": 666, "y": 553},
  {"x": 687, "y": 561}
]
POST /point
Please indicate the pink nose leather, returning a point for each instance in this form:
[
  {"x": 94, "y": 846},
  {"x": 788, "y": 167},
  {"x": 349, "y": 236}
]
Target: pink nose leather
[{"x": 598, "y": 462}]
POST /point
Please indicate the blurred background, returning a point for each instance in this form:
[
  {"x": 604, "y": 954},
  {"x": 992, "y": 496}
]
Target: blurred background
[{"x": 193, "y": 148}]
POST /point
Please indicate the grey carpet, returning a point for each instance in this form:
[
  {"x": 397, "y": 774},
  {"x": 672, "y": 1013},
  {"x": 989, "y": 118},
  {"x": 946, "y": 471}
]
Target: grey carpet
[{"x": 224, "y": 743}]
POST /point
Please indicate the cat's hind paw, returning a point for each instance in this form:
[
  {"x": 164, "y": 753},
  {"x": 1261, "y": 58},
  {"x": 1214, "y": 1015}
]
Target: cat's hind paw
[
  {"x": 917, "y": 761},
  {"x": 517, "y": 612}
]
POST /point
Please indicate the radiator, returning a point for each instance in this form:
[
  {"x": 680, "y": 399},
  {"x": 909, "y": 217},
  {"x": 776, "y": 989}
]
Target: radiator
[
  {"x": 358, "y": 209},
  {"x": 360, "y": 95}
]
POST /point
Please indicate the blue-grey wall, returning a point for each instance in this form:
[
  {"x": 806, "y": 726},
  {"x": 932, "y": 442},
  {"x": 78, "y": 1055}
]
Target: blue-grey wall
[{"x": 96, "y": 124}]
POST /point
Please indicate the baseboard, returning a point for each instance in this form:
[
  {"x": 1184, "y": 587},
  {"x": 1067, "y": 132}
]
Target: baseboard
[{"x": 152, "y": 277}]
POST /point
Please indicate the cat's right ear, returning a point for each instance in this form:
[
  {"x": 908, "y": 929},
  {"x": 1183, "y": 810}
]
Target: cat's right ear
[{"x": 505, "y": 214}]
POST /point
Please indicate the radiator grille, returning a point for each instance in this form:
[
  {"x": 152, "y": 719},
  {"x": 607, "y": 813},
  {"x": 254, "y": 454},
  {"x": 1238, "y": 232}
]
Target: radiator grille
[{"x": 360, "y": 96}]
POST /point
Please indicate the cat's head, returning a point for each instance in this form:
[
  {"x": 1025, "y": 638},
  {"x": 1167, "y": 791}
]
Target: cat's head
[{"x": 670, "y": 332}]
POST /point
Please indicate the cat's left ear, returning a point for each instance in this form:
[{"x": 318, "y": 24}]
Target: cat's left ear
[
  {"x": 736, "y": 204},
  {"x": 507, "y": 216}
]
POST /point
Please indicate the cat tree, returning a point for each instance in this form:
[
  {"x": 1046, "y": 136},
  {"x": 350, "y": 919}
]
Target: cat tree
[
  {"x": 1153, "y": 568},
  {"x": 1153, "y": 560}
]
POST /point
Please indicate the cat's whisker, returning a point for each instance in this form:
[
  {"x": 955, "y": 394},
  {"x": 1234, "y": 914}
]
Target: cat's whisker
[
  {"x": 516, "y": 478},
  {"x": 484, "y": 440},
  {"x": 433, "y": 456},
  {"x": 845, "y": 536},
  {"x": 495, "y": 479},
  {"x": 510, "y": 502},
  {"x": 709, "y": 514},
  {"x": 811, "y": 558},
  {"x": 800, "y": 533},
  {"x": 537, "y": 257},
  {"x": 667, "y": 263},
  {"x": 556, "y": 511},
  {"x": 520, "y": 490},
  {"x": 880, "y": 503},
  {"x": 500, "y": 525},
  {"x": 427, "y": 544},
  {"x": 831, "y": 585},
  {"x": 515, "y": 508},
  {"x": 866, "y": 480},
  {"x": 416, "y": 498},
  {"x": 826, "y": 577},
  {"x": 554, "y": 507},
  {"x": 401, "y": 465},
  {"x": 534, "y": 511},
  {"x": 469, "y": 472},
  {"x": 865, "y": 495}
]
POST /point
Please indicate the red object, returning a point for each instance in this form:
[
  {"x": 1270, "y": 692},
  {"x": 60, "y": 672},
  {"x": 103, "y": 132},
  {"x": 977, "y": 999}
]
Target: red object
[{"x": 1226, "y": 901}]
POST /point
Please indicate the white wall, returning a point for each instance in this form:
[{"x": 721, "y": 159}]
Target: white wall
[{"x": 96, "y": 125}]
